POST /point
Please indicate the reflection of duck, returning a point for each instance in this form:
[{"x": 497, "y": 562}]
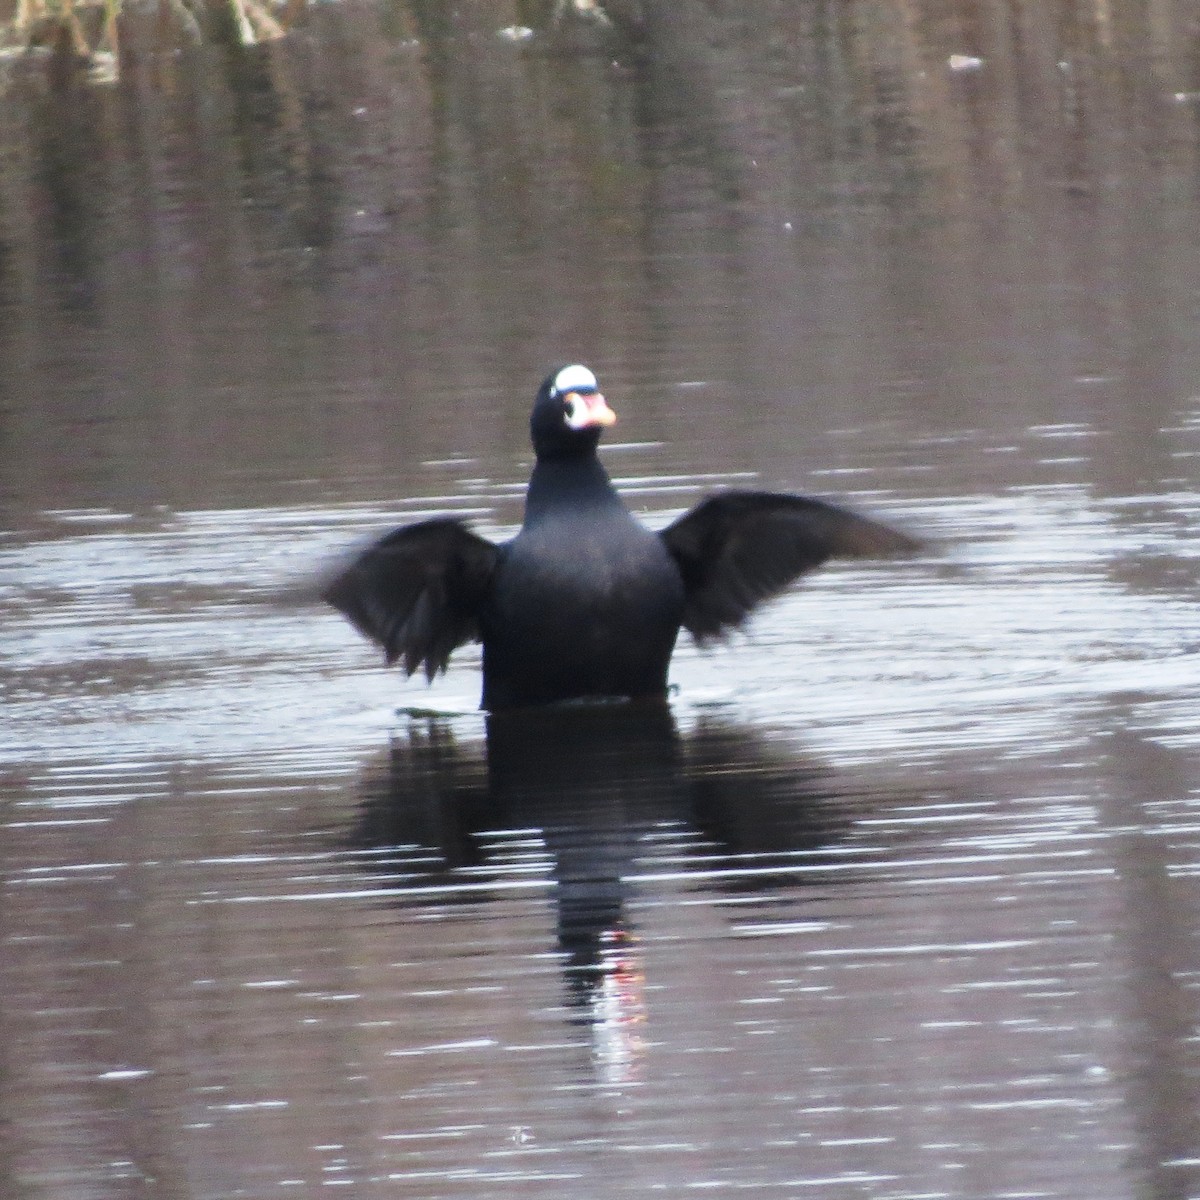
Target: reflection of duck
[
  {"x": 601, "y": 787},
  {"x": 585, "y": 601}
]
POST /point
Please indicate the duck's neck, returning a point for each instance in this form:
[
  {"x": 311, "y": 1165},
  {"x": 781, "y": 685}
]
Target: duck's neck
[{"x": 560, "y": 486}]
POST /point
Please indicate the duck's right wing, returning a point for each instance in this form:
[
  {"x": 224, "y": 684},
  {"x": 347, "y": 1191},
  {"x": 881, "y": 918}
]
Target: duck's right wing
[{"x": 416, "y": 592}]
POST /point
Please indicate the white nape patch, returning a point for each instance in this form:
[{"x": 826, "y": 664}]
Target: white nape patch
[{"x": 574, "y": 378}]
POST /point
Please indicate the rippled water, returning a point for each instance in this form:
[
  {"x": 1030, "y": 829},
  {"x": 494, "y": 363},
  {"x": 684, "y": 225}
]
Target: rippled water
[{"x": 899, "y": 898}]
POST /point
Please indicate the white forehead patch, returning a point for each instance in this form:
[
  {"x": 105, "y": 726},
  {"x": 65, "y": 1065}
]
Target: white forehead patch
[{"x": 574, "y": 379}]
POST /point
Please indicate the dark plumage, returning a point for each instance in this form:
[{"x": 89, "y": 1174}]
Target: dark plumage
[{"x": 585, "y": 601}]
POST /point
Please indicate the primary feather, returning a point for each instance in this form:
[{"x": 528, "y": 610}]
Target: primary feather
[
  {"x": 417, "y": 592},
  {"x": 737, "y": 549}
]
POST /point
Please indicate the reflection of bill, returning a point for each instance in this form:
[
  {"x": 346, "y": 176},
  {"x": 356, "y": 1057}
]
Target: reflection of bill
[{"x": 618, "y": 1008}]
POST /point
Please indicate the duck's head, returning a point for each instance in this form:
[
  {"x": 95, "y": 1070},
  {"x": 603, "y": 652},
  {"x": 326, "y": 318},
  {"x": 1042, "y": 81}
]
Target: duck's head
[{"x": 569, "y": 413}]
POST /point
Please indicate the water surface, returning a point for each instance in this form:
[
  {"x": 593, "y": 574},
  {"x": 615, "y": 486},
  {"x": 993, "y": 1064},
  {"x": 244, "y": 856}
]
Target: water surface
[{"x": 899, "y": 897}]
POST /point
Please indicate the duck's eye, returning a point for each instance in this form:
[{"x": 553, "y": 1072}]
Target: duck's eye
[{"x": 575, "y": 408}]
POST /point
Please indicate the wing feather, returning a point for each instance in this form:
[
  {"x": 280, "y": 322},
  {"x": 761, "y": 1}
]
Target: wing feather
[
  {"x": 417, "y": 591},
  {"x": 737, "y": 549}
]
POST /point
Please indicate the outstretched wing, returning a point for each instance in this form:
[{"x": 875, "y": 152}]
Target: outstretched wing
[
  {"x": 737, "y": 549},
  {"x": 417, "y": 591}
]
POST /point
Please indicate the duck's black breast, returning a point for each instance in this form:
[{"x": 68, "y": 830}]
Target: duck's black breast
[{"x": 585, "y": 602}]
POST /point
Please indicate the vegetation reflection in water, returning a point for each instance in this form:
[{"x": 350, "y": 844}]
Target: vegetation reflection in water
[{"x": 82, "y": 40}]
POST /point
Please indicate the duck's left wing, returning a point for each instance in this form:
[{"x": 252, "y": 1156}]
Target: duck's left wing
[
  {"x": 417, "y": 591},
  {"x": 738, "y": 549}
]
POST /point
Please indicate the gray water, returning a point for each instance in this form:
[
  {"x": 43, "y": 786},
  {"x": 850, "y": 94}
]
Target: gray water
[{"x": 900, "y": 898}]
